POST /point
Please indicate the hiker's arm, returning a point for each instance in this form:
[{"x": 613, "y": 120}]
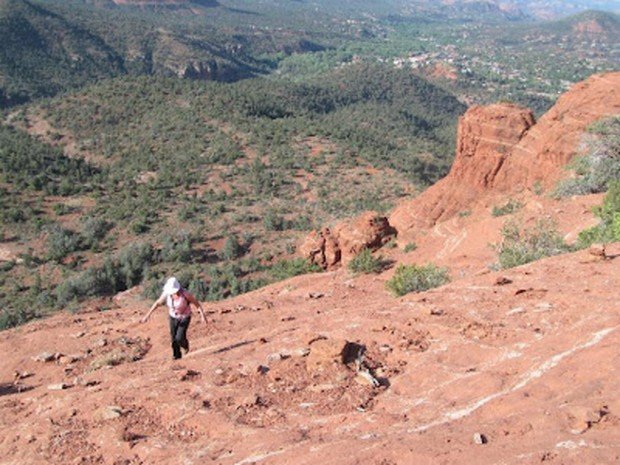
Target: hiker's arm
[
  {"x": 194, "y": 301},
  {"x": 156, "y": 304}
]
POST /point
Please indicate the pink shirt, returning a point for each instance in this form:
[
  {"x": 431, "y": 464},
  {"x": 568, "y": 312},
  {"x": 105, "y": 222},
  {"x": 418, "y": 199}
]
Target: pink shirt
[{"x": 178, "y": 306}]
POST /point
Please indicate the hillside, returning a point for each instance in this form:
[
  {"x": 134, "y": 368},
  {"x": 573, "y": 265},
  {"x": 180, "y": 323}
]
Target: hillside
[
  {"x": 512, "y": 366},
  {"x": 218, "y": 180},
  {"x": 53, "y": 46},
  {"x": 32, "y": 64}
]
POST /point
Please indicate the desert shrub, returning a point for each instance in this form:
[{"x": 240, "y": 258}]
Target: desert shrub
[
  {"x": 285, "y": 269},
  {"x": 177, "y": 248},
  {"x": 365, "y": 262},
  {"x": 139, "y": 226},
  {"x": 608, "y": 230},
  {"x": 198, "y": 288},
  {"x": 61, "y": 242},
  {"x": 15, "y": 215},
  {"x": 63, "y": 209},
  {"x": 134, "y": 262},
  {"x": 416, "y": 278},
  {"x": 273, "y": 222},
  {"x": 127, "y": 269},
  {"x": 27, "y": 163},
  {"x": 152, "y": 285},
  {"x": 94, "y": 230},
  {"x": 6, "y": 266},
  {"x": 232, "y": 248},
  {"x": 520, "y": 245},
  {"x": 506, "y": 209},
  {"x": 600, "y": 166},
  {"x": 226, "y": 281},
  {"x": 301, "y": 223},
  {"x": 11, "y": 317},
  {"x": 410, "y": 247},
  {"x": 96, "y": 281}
]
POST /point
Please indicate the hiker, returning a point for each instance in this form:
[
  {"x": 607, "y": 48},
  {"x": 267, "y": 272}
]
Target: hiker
[{"x": 179, "y": 303}]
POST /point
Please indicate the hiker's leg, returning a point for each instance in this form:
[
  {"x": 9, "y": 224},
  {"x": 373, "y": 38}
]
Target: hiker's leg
[
  {"x": 174, "y": 326},
  {"x": 181, "y": 335}
]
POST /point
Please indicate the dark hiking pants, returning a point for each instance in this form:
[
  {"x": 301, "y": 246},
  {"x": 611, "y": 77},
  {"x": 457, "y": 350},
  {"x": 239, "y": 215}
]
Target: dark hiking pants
[{"x": 178, "y": 335}]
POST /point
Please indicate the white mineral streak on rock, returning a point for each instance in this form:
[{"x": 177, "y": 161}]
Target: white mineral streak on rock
[{"x": 528, "y": 377}]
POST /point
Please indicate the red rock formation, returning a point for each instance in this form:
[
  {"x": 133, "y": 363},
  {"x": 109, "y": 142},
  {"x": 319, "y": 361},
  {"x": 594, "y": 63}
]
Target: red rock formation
[
  {"x": 486, "y": 137},
  {"x": 545, "y": 150},
  {"x": 328, "y": 248},
  {"x": 321, "y": 248},
  {"x": 500, "y": 149}
]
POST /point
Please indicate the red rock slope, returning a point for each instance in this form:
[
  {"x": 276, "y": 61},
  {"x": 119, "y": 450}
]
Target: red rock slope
[{"x": 526, "y": 364}]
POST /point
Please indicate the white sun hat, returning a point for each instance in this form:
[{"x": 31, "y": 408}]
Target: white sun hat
[{"x": 172, "y": 286}]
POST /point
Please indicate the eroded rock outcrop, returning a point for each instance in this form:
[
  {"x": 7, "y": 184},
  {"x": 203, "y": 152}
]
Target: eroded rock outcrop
[
  {"x": 321, "y": 248},
  {"x": 501, "y": 149},
  {"x": 547, "y": 147},
  {"x": 486, "y": 137},
  {"x": 328, "y": 247}
]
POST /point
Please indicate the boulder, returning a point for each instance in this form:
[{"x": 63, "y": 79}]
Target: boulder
[
  {"x": 325, "y": 353},
  {"x": 367, "y": 231},
  {"x": 330, "y": 248},
  {"x": 109, "y": 412},
  {"x": 321, "y": 248}
]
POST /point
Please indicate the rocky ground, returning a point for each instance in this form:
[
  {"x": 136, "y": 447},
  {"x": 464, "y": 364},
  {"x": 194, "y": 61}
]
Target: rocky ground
[
  {"x": 497, "y": 367},
  {"x": 517, "y": 366}
]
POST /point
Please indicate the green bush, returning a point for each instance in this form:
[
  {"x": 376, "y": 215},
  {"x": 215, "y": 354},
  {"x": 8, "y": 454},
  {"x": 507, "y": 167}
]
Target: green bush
[
  {"x": 608, "y": 230},
  {"x": 410, "y": 247},
  {"x": 9, "y": 318},
  {"x": 128, "y": 269},
  {"x": 520, "y": 245},
  {"x": 140, "y": 226},
  {"x": 365, "y": 262},
  {"x": 595, "y": 171},
  {"x": 94, "y": 230},
  {"x": 199, "y": 289},
  {"x": 415, "y": 278},
  {"x": 509, "y": 207},
  {"x": 285, "y": 269},
  {"x": 134, "y": 262},
  {"x": 61, "y": 242},
  {"x": 274, "y": 222},
  {"x": 177, "y": 248},
  {"x": 62, "y": 209},
  {"x": 232, "y": 248}
]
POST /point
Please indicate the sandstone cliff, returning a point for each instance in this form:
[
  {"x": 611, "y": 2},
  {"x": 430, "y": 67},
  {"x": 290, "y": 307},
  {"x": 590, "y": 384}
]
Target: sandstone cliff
[{"x": 501, "y": 149}]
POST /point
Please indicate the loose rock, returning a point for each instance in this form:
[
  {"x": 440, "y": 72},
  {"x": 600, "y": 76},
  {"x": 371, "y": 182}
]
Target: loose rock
[
  {"x": 502, "y": 280},
  {"x": 598, "y": 250},
  {"x": 109, "y": 412},
  {"x": 582, "y": 418},
  {"x": 47, "y": 357},
  {"x": 58, "y": 387},
  {"x": 480, "y": 439}
]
